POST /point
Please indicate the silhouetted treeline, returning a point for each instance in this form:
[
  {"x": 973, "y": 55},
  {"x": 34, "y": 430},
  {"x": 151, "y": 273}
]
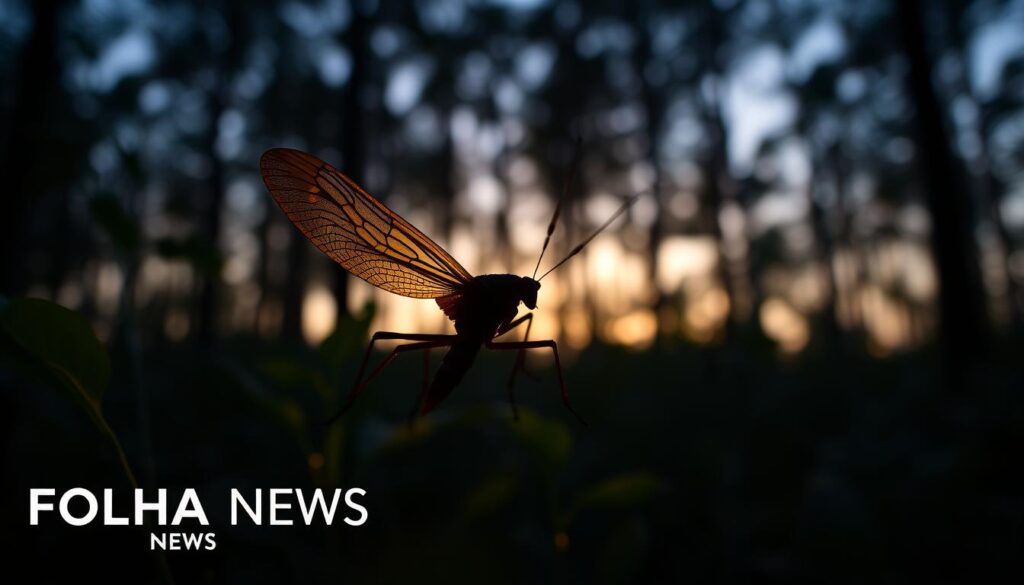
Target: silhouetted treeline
[{"x": 874, "y": 112}]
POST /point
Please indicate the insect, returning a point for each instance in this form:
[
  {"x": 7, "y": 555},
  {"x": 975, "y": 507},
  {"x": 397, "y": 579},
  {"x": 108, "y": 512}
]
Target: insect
[{"x": 375, "y": 244}]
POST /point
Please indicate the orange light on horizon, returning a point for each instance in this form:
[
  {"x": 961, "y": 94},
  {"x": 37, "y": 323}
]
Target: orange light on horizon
[
  {"x": 319, "y": 313},
  {"x": 636, "y": 330},
  {"x": 705, "y": 314},
  {"x": 784, "y": 324}
]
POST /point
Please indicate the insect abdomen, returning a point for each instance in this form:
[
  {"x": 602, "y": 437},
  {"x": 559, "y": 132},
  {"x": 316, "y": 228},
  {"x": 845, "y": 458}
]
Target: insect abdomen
[{"x": 454, "y": 366}]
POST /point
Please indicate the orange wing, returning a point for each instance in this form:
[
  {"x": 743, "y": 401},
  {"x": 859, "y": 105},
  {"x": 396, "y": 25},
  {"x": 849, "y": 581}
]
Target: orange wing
[{"x": 357, "y": 231}]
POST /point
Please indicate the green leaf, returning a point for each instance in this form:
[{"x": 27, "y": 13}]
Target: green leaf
[
  {"x": 107, "y": 212},
  {"x": 489, "y": 497},
  {"x": 287, "y": 372},
  {"x": 59, "y": 341},
  {"x": 548, "y": 441},
  {"x": 199, "y": 252},
  {"x": 347, "y": 338},
  {"x": 621, "y": 491},
  {"x": 59, "y": 347}
]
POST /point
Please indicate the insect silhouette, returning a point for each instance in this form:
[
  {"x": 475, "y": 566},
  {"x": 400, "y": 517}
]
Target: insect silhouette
[{"x": 377, "y": 245}]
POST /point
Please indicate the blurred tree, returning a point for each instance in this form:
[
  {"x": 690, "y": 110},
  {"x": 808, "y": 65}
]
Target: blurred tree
[
  {"x": 963, "y": 323},
  {"x": 718, "y": 183},
  {"x": 563, "y": 115},
  {"x": 225, "y": 52},
  {"x": 653, "y": 71},
  {"x": 354, "y": 116},
  {"x": 992, "y": 113},
  {"x": 820, "y": 124},
  {"x": 959, "y": 19},
  {"x": 26, "y": 170}
]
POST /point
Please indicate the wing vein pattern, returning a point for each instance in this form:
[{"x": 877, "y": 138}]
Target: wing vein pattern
[{"x": 357, "y": 231}]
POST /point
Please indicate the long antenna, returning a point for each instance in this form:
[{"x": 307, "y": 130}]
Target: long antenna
[
  {"x": 573, "y": 167},
  {"x": 582, "y": 244}
]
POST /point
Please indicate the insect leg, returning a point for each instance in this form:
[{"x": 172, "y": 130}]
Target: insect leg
[
  {"x": 427, "y": 340},
  {"x": 520, "y": 345},
  {"x": 423, "y": 391},
  {"x": 393, "y": 335},
  {"x": 520, "y": 360},
  {"x": 514, "y": 324}
]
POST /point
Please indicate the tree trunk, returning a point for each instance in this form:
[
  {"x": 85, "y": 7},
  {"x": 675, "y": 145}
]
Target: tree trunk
[
  {"x": 353, "y": 135},
  {"x": 34, "y": 87},
  {"x": 654, "y": 108},
  {"x": 962, "y": 321},
  {"x": 717, "y": 188},
  {"x": 825, "y": 249},
  {"x": 990, "y": 188},
  {"x": 295, "y": 287},
  {"x": 209, "y": 287},
  {"x": 845, "y": 296}
]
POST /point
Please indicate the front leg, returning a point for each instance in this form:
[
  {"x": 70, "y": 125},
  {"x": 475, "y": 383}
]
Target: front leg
[
  {"x": 510, "y": 326},
  {"x": 520, "y": 360},
  {"x": 521, "y": 345}
]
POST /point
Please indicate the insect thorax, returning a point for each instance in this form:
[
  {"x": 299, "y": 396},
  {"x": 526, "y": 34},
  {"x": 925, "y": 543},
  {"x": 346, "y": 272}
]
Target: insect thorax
[{"x": 489, "y": 301}]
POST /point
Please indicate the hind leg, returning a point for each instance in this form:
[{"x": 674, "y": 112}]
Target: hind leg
[
  {"x": 550, "y": 343},
  {"x": 423, "y": 391},
  {"x": 426, "y": 341}
]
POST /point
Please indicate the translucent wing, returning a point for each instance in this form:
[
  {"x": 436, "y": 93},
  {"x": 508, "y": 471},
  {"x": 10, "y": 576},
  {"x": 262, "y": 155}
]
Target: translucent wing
[{"x": 357, "y": 231}]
